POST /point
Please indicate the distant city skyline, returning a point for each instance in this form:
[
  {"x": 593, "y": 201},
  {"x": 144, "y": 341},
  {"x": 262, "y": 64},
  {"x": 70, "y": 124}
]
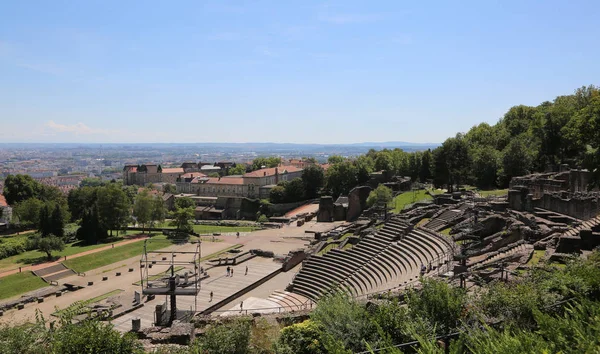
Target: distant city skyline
[{"x": 323, "y": 72}]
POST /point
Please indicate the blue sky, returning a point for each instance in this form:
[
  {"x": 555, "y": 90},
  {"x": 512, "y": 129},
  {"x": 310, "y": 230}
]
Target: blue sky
[{"x": 283, "y": 71}]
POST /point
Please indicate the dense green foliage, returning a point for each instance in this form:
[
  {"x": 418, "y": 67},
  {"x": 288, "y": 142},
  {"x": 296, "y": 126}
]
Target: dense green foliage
[
  {"x": 149, "y": 208},
  {"x": 380, "y": 195},
  {"x": 46, "y": 244},
  {"x": 265, "y": 162},
  {"x": 548, "y": 310},
  {"x": 66, "y": 338},
  {"x": 527, "y": 139}
]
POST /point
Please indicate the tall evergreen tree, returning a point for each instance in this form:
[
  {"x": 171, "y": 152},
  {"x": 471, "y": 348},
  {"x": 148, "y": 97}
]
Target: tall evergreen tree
[
  {"x": 57, "y": 222},
  {"x": 45, "y": 223}
]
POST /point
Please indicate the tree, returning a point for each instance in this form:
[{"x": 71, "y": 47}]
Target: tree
[
  {"x": 170, "y": 188},
  {"x": 45, "y": 223},
  {"x": 452, "y": 162},
  {"x": 185, "y": 202},
  {"x": 182, "y": 218},
  {"x": 238, "y": 169},
  {"x": 230, "y": 338},
  {"x": 516, "y": 160},
  {"x": 47, "y": 244},
  {"x": 81, "y": 199},
  {"x": 485, "y": 166},
  {"x": 28, "y": 212},
  {"x": 91, "y": 230},
  {"x": 294, "y": 190},
  {"x": 301, "y": 338},
  {"x": 277, "y": 195},
  {"x": 18, "y": 188},
  {"x": 113, "y": 208},
  {"x": 159, "y": 210},
  {"x": 384, "y": 161},
  {"x": 57, "y": 222},
  {"x": 265, "y": 162},
  {"x": 364, "y": 167},
  {"x": 380, "y": 195},
  {"x": 313, "y": 178},
  {"x": 426, "y": 162},
  {"x": 341, "y": 178},
  {"x": 92, "y": 182},
  {"x": 142, "y": 209},
  {"x": 334, "y": 159}
]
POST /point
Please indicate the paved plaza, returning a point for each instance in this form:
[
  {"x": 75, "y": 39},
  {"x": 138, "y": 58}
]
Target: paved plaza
[{"x": 280, "y": 241}]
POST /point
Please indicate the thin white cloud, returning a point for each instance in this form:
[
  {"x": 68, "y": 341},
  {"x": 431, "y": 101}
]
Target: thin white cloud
[{"x": 77, "y": 129}]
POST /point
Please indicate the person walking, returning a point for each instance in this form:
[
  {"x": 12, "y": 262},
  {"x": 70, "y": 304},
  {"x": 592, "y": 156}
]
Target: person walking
[
  {"x": 241, "y": 306},
  {"x": 211, "y": 296},
  {"x": 228, "y": 270},
  {"x": 246, "y": 270},
  {"x": 232, "y": 271},
  {"x": 238, "y": 234}
]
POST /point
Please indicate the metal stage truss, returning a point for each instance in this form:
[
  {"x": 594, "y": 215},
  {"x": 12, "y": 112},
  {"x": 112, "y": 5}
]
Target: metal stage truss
[{"x": 182, "y": 278}]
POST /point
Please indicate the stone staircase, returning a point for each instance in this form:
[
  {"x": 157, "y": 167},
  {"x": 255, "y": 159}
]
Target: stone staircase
[
  {"x": 54, "y": 273},
  {"x": 390, "y": 257},
  {"x": 290, "y": 301},
  {"x": 501, "y": 254}
]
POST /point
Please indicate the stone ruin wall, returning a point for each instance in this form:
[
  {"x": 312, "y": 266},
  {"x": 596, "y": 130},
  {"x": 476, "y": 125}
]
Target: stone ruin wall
[{"x": 565, "y": 193}]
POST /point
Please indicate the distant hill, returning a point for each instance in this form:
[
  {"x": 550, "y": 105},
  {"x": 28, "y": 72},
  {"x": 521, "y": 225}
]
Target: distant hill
[{"x": 257, "y": 146}]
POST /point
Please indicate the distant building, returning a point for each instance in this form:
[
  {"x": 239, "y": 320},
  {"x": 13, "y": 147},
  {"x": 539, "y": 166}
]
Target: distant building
[
  {"x": 5, "y": 213},
  {"x": 254, "y": 184},
  {"x": 150, "y": 173}
]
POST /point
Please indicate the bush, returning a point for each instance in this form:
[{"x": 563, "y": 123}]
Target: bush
[
  {"x": 11, "y": 249},
  {"x": 262, "y": 218},
  {"x": 301, "y": 338},
  {"x": 230, "y": 338}
]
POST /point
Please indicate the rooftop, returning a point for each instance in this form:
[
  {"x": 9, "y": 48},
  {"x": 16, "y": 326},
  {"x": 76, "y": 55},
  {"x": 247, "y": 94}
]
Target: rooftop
[
  {"x": 172, "y": 170},
  {"x": 266, "y": 172}
]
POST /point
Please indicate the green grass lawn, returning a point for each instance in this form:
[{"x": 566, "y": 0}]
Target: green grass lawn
[
  {"x": 34, "y": 257},
  {"x": 495, "y": 193},
  {"x": 446, "y": 231},
  {"x": 210, "y": 229},
  {"x": 402, "y": 200},
  {"x": 113, "y": 255},
  {"x": 78, "y": 307},
  {"x": 19, "y": 283},
  {"x": 346, "y": 235},
  {"x": 327, "y": 248},
  {"x": 536, "y": 257},
  {"x": 423, "y": 221}
]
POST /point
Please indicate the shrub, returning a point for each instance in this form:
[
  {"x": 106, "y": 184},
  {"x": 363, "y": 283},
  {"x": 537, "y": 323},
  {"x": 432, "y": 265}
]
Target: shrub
[{"x": 301, "y": 338}]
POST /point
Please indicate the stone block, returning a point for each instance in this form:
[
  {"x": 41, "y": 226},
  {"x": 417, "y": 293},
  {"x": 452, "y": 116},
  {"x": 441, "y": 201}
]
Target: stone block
[
  {"x": 357, "y": 202},
  {"x": 90, "y": 283},
  {"x": 130, "y": 270},
  {"x": 325, "y": 213},
  {"x": 20, "y": 306},
  {"x": 104, "y": 278},
  {"x": 118, "y": 274}
]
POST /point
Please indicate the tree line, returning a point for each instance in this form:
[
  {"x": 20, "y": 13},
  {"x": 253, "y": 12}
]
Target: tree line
[{"x": 526, "y": 139}]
